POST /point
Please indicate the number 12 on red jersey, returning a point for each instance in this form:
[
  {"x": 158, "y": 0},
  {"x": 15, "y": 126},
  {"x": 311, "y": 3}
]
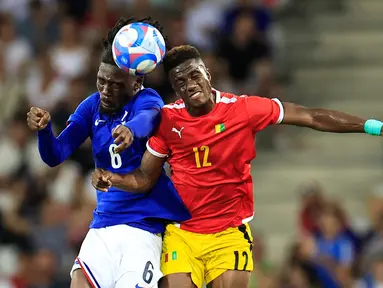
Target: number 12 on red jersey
[{"x": 205, "y": 159}]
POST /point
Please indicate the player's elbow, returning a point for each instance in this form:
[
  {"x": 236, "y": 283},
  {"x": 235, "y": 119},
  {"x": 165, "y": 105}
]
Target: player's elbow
[{"x": 51, "y": 162}]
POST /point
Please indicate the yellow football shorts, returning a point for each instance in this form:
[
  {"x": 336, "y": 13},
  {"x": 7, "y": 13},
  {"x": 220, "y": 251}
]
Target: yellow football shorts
[{"x": 206, "y": 256}]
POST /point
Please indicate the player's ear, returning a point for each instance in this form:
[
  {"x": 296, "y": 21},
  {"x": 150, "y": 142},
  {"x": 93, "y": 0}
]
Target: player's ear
[{"x": 208, "y": 74}]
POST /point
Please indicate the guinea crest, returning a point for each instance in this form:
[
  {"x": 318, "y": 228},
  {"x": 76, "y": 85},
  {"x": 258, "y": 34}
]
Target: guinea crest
[{"x": 138, "y": 48}]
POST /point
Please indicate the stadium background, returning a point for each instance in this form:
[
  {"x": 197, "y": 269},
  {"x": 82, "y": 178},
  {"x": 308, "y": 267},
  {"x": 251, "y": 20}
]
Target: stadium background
[{"x": 319, "y": 53}]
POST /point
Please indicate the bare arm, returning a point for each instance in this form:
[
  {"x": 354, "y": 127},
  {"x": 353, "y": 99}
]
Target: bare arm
[
  {"x": 322, "y": 119},
  {"x": 142, "y": 179}
]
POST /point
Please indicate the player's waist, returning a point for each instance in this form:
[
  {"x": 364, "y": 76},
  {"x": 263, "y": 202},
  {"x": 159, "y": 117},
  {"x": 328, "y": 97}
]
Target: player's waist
[
  {"x": 207, "y": 181},
  {"x": 210, "y": 226}
]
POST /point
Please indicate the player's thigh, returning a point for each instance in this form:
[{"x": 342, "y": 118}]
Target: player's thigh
[
  {"x": 140, "y": 258},
  {"x": 177, "y": 280},
  {"x": 95, "y": 260},
  {"x": 79, "y": 280},
  {"x": 180, "y": 258},
  {"x": 231, "y": 279},
  {"x": 232, "y": 250}
]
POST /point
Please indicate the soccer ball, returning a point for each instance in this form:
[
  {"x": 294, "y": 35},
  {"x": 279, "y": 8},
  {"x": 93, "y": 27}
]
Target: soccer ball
[{"x": 138, "y": 48}]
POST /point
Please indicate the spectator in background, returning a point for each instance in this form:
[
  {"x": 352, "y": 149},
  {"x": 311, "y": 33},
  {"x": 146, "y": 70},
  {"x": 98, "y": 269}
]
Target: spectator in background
[
  {"x": 330, "y": 253},
  {"x": 312, "y": 202},
  {"x": 176, "y": 32},
  {"x": 373, "y": 277},
  {"x": 259, "y": 13},
  {"x": 15, "y": 50},
  {"x": 247, "y": 58},
  {"x": 70, "y": 57},
  {"x": 11, "y": 94},
  {"x": 41, "y": 26},
  {"x": 202, "y": 21},
  {"x": 68, "y": 104},
  {"x": 262, "y": 274},
  {"x": 44, "y": 87}
]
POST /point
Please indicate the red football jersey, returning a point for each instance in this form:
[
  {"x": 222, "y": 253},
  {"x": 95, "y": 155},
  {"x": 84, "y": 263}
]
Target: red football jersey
[{"x": 210, "y": 157}]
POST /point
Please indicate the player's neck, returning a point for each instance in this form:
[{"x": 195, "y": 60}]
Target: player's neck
[{"x": 204, "y": 109}]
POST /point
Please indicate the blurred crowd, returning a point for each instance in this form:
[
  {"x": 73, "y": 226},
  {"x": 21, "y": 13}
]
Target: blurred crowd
[
  {"x": 49, "y": 56},
  {"x": 331, "y": 250}
]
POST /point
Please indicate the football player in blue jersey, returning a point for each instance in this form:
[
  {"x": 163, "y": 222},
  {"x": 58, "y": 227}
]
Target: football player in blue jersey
[{"x": 123, "y": 245}]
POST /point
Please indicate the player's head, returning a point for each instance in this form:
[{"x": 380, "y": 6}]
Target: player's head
[
  {"x": 115, "y": 86},
  {"x": 188, "y": 75}
]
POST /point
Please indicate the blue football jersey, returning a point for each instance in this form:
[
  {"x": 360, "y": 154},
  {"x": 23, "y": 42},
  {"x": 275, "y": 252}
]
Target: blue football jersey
[{"x": 145, "y": 211}]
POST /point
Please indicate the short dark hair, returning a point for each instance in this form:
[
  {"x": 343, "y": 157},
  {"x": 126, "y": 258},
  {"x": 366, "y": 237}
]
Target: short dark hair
[
  {"x": 107, "y": 54},
  {"x": 178, "y": 55}
]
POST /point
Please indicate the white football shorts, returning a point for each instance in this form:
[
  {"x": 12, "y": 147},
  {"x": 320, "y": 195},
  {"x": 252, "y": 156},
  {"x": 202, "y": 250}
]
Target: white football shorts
[{"x": 120, "y": 257}]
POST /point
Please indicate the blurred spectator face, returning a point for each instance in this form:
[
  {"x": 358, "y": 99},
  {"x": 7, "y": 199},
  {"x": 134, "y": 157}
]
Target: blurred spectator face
[
  {"x": 45, "y": 64},
  {"x": 177, "y": 32},
  {"x": 298, "y": 278},
  {"x": 7, "y": 29},
  {"x": 45, "y": 263},
  {"x": 329, "y": 222},
  {"x": 68, "y": 31},
  {"x": 312, "y": 198},
  {"x": 19, "y": 133},
  {"x": 377, "y": 270},
  {"x": 244, "y": 27}
]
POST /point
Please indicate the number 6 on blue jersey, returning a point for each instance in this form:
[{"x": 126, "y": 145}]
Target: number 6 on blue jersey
[{"x": 115, "y": 158}]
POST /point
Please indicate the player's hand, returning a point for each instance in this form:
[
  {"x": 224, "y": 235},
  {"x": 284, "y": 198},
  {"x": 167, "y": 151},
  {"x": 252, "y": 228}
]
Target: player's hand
[
  {"x": 101, "y": 179},
  {"x": 123, "y": 137},
  {"x": 37, "y": 118}
]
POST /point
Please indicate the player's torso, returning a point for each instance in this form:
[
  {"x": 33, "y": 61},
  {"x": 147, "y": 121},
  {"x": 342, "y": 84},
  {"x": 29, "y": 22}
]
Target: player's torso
[
  {"x": 103, "y": 143},
  {"x": 116, "y": 206},
  {"x": 215, "y": 148},
  {"x": 210, "y": 162}
]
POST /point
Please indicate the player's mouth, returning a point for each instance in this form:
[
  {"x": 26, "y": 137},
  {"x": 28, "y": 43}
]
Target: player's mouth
[
  {"x": 107, "y": 104},
  {"x": 195, "y": 95}
]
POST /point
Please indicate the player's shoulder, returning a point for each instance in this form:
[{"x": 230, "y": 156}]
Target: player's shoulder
[
  {"x": 148, "y": 97},
  {"x": 90, "y": 103},
  {"x": 174, "y": 108},
  {"x": 230, "y": 98},
  {"x": 92, "y": 99},
  {"x": 150, "y": 92}
]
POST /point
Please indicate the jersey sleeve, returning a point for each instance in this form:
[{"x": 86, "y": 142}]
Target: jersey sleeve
[
  {"x": 263, "y": 112},
  {"x": 146, "y": 111},
  {"x": 84, "y": 113},
  {"x": 157, "y": 143},
  {"x": 148, "y": 99}
]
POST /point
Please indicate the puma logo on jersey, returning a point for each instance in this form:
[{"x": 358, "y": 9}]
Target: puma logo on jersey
[
  {"x": 178, "y": 131},
  {"x": 98, "y": 121}
]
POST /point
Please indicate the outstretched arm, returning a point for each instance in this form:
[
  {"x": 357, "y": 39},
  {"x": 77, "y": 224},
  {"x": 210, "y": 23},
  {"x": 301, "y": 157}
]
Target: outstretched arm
[
  {"x": 140, "y": 180},
  {"x": 54, "y": 151},
  {"x": 328, "y": 120}
]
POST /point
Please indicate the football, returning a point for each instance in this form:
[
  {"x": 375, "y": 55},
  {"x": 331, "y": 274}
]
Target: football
[{"x": 138, "y": 48}]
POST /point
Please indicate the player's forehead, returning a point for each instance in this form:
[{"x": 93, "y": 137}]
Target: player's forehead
[
  {"x": 186, "y": 68},
  {"x": 111, "y": 73}
]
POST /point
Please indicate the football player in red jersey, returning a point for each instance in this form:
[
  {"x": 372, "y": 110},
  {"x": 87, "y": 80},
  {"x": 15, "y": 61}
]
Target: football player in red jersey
[{"x": 207, "y": 137}]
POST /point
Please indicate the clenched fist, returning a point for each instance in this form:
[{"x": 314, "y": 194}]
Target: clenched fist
[
  {"x": 123, "y": 137},
  {"x": 38, "y": 118},
  {"x": 101, "y": 179}
]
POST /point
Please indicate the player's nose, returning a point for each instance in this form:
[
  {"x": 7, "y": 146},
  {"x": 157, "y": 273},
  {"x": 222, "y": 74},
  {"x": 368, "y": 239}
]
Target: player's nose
[{"x": 192, "y": 86}]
